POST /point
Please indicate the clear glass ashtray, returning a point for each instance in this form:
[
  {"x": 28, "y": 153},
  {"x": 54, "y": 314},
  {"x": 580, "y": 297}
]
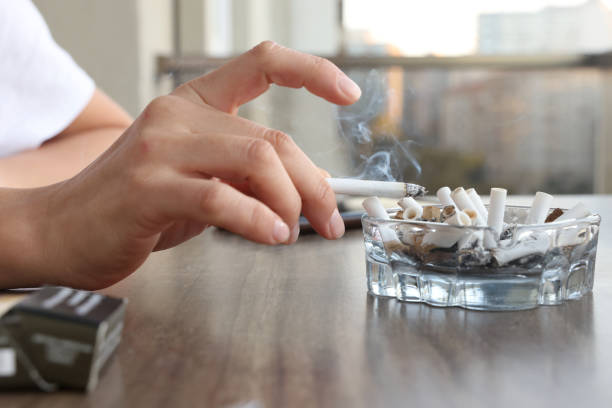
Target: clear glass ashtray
[{"x": 446, "y": 265}]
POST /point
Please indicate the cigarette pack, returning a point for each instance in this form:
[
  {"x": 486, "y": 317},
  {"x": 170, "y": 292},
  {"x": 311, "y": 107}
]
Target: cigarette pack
[{"x": 58, "y": 337}]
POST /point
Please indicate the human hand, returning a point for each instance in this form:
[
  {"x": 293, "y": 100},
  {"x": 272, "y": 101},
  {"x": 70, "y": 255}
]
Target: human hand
[{"x": 187, "y": 162}]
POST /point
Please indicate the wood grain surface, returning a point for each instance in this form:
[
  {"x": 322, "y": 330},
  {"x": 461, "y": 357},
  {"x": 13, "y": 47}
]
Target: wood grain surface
[{"x": 220, "y": 321}]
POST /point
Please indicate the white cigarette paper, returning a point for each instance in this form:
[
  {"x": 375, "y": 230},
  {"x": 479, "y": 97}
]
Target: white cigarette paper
[
  {"x": 444, "y": 195},
  {"x": 577, "y": 211},
  {"x": 497, "y": 208},
  {"x": 536, "y": 244},
  {"x": 478, "y": 204},
  {"x": 468, "y": 240},
  {"x": 375, "y": 209},
  {"x": 459, "y": 218},
  {"x": 573, "y": 235},
  {"x": 447, "y": 237},
  {"x": 390, "y": 189},
  {"x": 464, "y": 203},
  {"x": 443, "y": 238},
  {"x": 539, "y": 208},
  {"x": 412, "y": 209},
  {"x": 473, "y": 216}
]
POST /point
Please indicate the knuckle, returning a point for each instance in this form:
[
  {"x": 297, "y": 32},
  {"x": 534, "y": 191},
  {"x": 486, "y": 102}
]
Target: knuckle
[
  {"x": 323, "y": 191},
  {"x": 156, "y": 107},
  {"x": 318, "y": 62},
  {"x": 211, "y": 197},
  {"x": 260, "y": 150},
  {"x": 264, "y": 49},
  {"x": 257, "y": 216},
  {"x": 280, "y": 140}
]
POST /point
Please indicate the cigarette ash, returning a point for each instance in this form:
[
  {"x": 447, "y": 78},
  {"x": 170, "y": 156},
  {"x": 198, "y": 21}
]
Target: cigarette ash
[
  {"x": 378, "y": 156},
  {"x": 506, "y": 240}
]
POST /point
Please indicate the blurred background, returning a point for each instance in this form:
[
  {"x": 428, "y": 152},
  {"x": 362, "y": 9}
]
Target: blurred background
[{"x": 512, "y": 93}]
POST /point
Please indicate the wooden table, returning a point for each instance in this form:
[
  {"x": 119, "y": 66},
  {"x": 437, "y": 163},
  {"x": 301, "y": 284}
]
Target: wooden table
[{"x": 220, "y": 321}]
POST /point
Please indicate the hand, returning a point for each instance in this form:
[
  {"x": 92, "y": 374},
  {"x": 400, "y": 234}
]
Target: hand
[{"x": 187, "y": 162}]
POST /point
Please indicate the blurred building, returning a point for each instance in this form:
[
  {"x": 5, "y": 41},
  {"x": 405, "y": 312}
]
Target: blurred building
[
  {"x": 586, "y": 28},
  {"x": 537, "y": 130}
]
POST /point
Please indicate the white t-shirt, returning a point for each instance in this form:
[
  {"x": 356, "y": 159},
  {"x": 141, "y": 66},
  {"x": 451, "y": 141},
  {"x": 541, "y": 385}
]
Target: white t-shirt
[{"x": 42, "y": 89}]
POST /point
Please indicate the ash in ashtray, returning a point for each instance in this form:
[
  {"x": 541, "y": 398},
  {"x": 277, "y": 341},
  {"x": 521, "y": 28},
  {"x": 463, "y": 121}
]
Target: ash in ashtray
[{"x": 461, "y": 232}]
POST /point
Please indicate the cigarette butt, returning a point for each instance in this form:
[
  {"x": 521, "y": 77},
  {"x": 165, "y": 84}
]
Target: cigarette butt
[
  {"x": 464, "y": 203},
  {"x": 537, "y": 244},
  {"x": 442, "y": 238},
  {"x": 412, "y": 209},
  {"x": 459, "y": 218},
  {"x": 375, "y": 209},
  {"x": 431, "y": 213},
  {"x": 444, "y": 195},
  {"x": 577, "y": 211},
  {"x": 478, "y": 204},
  {"x": 497, "y": 208},
  {"x": 539, "y": 208},
  {"x": 447, "y": 212},
  {"x": 473, "y": 216}
]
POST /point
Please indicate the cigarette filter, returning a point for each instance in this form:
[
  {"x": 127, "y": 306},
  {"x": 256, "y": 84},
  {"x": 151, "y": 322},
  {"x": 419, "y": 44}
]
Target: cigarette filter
[
  {"x": 375, "y": 209},
  {"x": 459, "y": 218},
  {"x": 412, "y": 209},
  {"x": 539, "y": 208},
  {"x": 478, "y": 204},
  {"x": 577, "y": 211},
  {"x": 443, "y": 238},
  {"x": 444, "y": 195},
  {"x": 537, "y": 244},
  {"x": 431, "y": 213},
  {"x": 464, "y": 203},
  {"x": 497, "y": 207}
]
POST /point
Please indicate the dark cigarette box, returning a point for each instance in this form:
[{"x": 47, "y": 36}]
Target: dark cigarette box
[{"x": 59, "y": 337}]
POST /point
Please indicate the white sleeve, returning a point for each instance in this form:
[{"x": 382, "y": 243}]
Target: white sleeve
[{"x": 42, "y": 89}]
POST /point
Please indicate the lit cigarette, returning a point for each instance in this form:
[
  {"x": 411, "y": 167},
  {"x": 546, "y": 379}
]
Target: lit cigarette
[
  {"x": 444, "y": 195},
  {"x": 412, "y": 209},
  {"x": 497, "y": 207},
  {"x": 478, "y": 204},
  {"x": 537, "y": 244},
  {"x": 539, "y": 208},
  {"x": 464, "y": 202},
  {"x": 577, "y": 211},
  {"x": 375, "y": 209},
  {"x": 392, "y": 189}
]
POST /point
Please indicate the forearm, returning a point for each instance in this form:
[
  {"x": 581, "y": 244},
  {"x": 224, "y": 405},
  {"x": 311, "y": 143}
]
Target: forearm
[
  {"x": 21, "y": 237},
  {"x": 57, "y": 159}
]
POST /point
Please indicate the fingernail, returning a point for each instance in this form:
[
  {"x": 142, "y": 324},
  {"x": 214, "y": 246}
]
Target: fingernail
[
  {"x": 295, "y": 233},
  {"x": 349, "y": 88},
  {"x": 281, "y": 231},
  {"x": 336, "y": 224}
]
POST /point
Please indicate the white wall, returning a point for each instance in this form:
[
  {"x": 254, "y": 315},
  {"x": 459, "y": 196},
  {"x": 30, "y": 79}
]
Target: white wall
[{"x": 115, "y": 41}]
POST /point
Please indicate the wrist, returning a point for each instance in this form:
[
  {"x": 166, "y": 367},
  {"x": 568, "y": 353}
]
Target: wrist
[{"x": 22, "y": 246}]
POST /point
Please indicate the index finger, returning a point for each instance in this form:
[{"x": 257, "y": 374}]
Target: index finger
[{"x": 248, "y": 76}]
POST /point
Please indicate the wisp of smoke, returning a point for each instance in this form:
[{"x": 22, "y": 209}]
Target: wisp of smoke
[{"x": 386, "y": 157}]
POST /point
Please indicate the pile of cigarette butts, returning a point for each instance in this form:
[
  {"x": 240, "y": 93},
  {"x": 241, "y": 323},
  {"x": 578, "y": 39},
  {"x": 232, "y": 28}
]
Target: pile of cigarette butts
[{"x": 499, "y": 243}]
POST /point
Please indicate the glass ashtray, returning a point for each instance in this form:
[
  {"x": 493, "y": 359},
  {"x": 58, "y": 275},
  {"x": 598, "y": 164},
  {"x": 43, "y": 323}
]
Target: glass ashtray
[{"x": 446, "y": 265}]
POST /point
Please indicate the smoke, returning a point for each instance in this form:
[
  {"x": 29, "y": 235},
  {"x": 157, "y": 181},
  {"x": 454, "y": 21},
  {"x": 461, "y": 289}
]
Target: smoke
[{"x": 377, "y": 156}]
